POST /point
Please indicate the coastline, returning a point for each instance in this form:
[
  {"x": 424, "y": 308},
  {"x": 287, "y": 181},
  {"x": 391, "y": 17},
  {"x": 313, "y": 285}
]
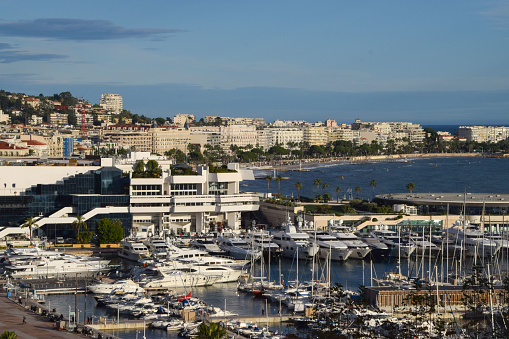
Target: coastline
[{"x": 306, "y": 164}]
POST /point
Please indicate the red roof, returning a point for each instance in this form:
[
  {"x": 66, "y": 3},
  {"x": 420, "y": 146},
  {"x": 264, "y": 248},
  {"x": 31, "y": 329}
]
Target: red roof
[
  {"x": 6, "y": 145},
  {"x": 33, "y": 142}
]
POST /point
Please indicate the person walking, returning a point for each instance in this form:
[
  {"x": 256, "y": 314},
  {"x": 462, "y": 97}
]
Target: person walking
[{"x": 24, "y": 320}]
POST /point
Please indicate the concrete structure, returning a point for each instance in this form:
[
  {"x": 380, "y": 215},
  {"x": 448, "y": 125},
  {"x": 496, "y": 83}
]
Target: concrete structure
[
  {"x": 239, "y": 135},
  {"x": 315, "y": 135},
  {"x": 484, "y": 133},
  {"x": 283, "y": 135},
  {"x": 181, "y": 119},
  {"x": 112, "y": 103}
]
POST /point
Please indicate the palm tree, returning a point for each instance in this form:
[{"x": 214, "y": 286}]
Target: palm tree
[
  {"x": 213, "y": 331},
  {"x": 337, "y": 191},
  {"x": 9, "y": 335},
  {"x": 317, "y": 182},
  {"x": 325, "y": 186},
  {"x": 372, "y": 183},
  {"x": 30, "y": 222},
  {"x": 358, "y": 190},
  {"x": 268, "y": 178},
  {"x": 410, "y": 186},
  {"x": 298, "y": 184},
  {"x": 278, "y": 179},
  {"x": 79, "y": 223}
]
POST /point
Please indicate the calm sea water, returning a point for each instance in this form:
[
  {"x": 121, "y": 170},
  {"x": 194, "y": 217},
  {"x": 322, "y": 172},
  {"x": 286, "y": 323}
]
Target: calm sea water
[{"x": 429, "y": 175}]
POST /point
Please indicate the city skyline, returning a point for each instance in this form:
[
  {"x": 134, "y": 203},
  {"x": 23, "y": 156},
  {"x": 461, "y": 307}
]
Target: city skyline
[{"x": 430, "y": 63}]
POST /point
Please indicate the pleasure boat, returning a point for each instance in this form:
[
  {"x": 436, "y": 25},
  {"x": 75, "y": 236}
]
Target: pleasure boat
[
  {"x": 399, "y": 248},
  {"x": 118, "y": 287},
  {"x": 171, "y": 278},
  {"x": 157, "y": 247},
  {"x": 331, "y": 247},
  {"x": 472, "y": 240},
  {"x": 238, "y": 248},
  {"x": 378, "y": 248},
  {"x": 424, "y": 247},
  {"x": 264, "y": 242},
  {"x": 292, "y": 242},
  {"x": 208, "y": 245},
  {"x": 358, "y": 248},
  {"x": 133, "y": 250}
]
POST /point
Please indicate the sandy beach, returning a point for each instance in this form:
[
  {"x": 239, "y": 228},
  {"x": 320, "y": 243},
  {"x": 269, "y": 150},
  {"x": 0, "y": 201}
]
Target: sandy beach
[{"x": 293, "y": 165}]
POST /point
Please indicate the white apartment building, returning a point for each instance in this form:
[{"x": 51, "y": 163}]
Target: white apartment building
[
  {"x": 211, "y": 134},
  {"x": 483, "y": 133},
  {"x": 111, "y": 103},
  {"x": 339, "y": 133},
  {"x": 283, "y": 135}
]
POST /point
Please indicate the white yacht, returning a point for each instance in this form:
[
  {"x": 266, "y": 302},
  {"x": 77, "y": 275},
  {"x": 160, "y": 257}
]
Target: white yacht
[
  {"x": 378, "y": 248},
  {"x": 238, "y": 248},
  {"x": 157, "y": 247},
  {"x": 292, "y": 242},
  {"x": 55, "y": 268},
  {"x": 472, "y": 240},
  {"x": 117, "y": 287},
  {"x": 359, "y": 249},
  {"x": 208, "y": 245},
  {"x": 423, "y": 246},
  {"x": 133, "y": 250},
  {"x": 331, "y": 247},
  {"x": 399, "y": 248},
  {"x": 264, "y": 242},
  {"x": 171, "y": 278}
]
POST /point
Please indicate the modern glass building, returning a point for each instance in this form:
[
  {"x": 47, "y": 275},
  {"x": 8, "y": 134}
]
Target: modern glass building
[
  {"x": 68, "y": 144},
  {"x": 93, "y": 194}
]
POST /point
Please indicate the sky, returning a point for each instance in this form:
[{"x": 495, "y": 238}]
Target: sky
[{"x": 429, "y": 62}]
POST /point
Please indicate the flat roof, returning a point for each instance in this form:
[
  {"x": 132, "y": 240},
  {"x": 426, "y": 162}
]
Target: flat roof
[{"x": 489, "y": 199}]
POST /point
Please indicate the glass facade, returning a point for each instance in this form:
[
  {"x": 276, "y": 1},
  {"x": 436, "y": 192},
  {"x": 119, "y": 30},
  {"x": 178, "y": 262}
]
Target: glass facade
[{"x": 105, "y": 187}]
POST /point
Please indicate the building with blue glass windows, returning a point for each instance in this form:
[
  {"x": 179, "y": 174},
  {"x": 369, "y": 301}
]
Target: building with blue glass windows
[
  {"x": 68, "y": 144},
  {"x": 170, "y": 203}
]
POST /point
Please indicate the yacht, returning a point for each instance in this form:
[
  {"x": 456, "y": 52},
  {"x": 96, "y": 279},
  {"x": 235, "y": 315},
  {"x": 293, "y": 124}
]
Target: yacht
[
  {"x": 167, "y": 277},
  {"x": 292, "y": 242},
  {"x": 331, "y": 248},
  {"x": 55, "y": 268},
  {"x": 208, "y": 245},
  {"x": 117, "y": 287},
  {"x": 423, "y": 246},
  {"x": 157, "y": 247},
  {"x": 399, "y": 248},
  {"x": 133, "y": 250},
  {"x": 264, "y": 242},
  {"x": 472, "y": 240},
  {"x": 238, "y": 248},
  {"x": 378, "y": 248},
  {"x": 359, "y": 249}
]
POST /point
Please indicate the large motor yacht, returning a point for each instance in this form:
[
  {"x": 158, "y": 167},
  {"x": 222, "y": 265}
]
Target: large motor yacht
[
  {"x": 291, "y": 241},
  {"x": 133, "y": 250}
]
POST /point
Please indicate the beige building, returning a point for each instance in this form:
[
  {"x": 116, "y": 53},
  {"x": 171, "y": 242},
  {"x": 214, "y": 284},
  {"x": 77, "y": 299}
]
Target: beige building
[
  {"x": 165, "y": 139},
  {"x": 181, "y": 119},
  {"x": 315, "y": 135},
  {"x": 339, "y": 133},
  {"x": 484, "y": 133},
  {"x": 112, "y": 103},
  {"x": 141, "y": 141},
  {"x": 240, "y": 135},
  {"x": 58, "y": 119}
]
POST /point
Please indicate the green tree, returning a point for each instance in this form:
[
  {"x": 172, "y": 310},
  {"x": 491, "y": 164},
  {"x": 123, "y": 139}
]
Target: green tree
[
  {"x": 358, "y": 190},
  {"x": 109, "y": 231},
  {"x": 410, "y": 186},
  {"x": 372, "y": 183},
  {"x": 79, "y": 224},
  {"x": 30, "y": 223},
  {"x": 212, "y": 331},
  {"x": 325, "y": 186},
  {"x": 317, "y": 183},
  {"x": 298, "y": 184},
  {"x": 153, "y": 169},
  {"x": 268, "y": 178},
  {"x": 278, "y": 179},
  {"x": 338, "y": 189}
]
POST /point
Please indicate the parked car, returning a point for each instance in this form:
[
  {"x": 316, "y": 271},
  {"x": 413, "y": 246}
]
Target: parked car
[{"x": 60, "y": 240}]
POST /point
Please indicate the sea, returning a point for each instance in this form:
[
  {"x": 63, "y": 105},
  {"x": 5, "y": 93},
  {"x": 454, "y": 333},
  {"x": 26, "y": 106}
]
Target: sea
[{"x": 450, "y": 174}]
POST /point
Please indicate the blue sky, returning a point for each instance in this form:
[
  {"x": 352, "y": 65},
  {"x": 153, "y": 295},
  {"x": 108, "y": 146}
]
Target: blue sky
[{"x": 432, "y": 62}]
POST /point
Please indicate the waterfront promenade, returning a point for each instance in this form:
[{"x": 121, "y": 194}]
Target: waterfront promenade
[{"x": 37, "y": 326}]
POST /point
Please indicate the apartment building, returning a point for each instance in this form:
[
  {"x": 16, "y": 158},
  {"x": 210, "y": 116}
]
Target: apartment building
[
  {"x": 283, "y": 135},
  {"x": 240, "y": 135},
  {"x": 181, "y": 119},
  {"x": 483, "y": 133},
  {"x": 111, "y": 103},
  {"x": 58, "y": 119},
  {"x": 315, "y": 135}
]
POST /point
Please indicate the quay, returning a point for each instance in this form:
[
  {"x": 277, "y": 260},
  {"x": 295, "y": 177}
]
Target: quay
[
  {"x": 37, "y": 324},
  {"x": 106, "y": 325}
]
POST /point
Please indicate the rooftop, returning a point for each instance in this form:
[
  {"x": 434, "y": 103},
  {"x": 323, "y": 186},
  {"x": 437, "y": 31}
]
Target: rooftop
[{"x": 446, "y": 198}]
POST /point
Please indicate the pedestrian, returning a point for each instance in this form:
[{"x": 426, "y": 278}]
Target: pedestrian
[
  {"x": 263, "y": 311},
  {"x": 24, "y": 319}
]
